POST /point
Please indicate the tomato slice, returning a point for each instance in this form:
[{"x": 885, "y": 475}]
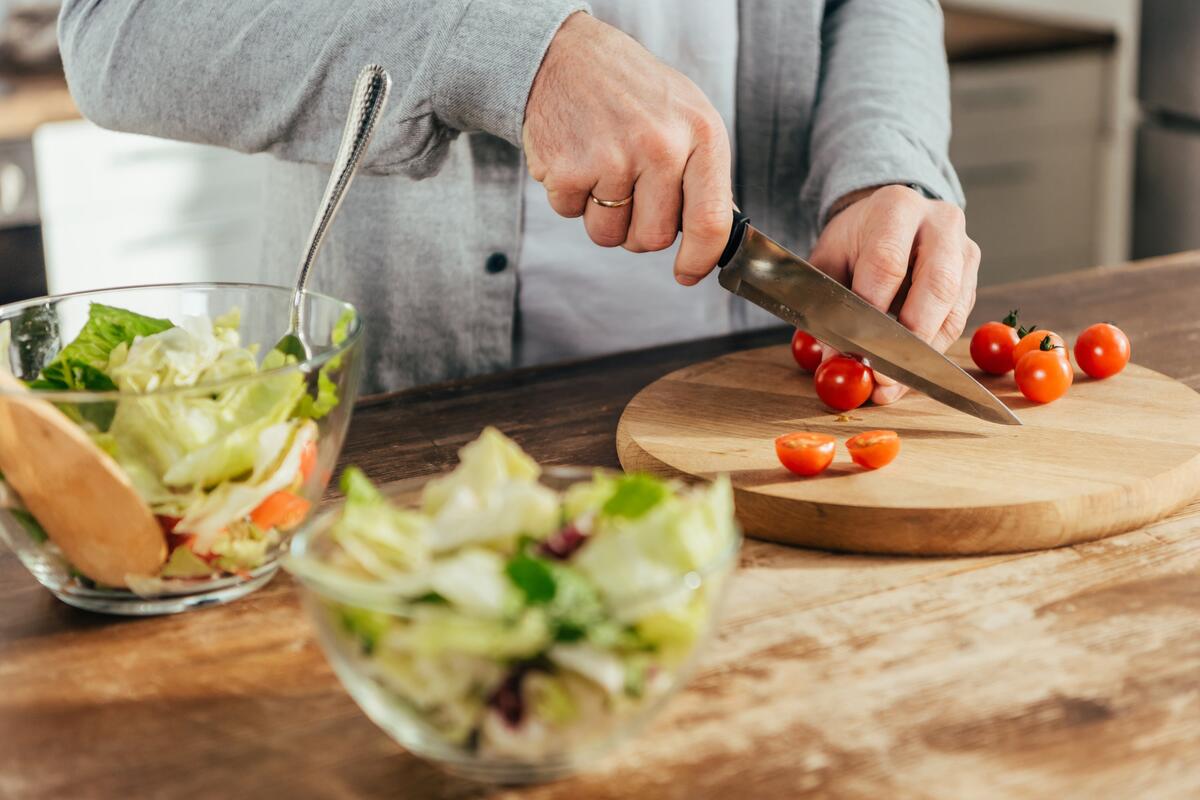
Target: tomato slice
[
  {"x": 805, "y": 453},
  {"x": 874, "y": 449},
  {"x": 282, "y": 510}
]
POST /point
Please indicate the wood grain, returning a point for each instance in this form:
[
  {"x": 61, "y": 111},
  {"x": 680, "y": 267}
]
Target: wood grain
[
  {"x": 1110, "y": 456},
  {"x": 1058, "y": 674},
  {"x": 106, "y": 530}
]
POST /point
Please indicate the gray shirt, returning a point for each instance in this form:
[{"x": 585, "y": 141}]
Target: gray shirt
[{"x": 831, "y": 97}]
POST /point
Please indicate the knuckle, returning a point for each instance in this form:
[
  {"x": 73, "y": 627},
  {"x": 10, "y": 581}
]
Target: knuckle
[
  {"x": 659, "y": 146},
  {"x": 709, "y": 218},
  {"x": 654, "y": 240},
  {"x": 974, "y": 254},
  {"x": 944, "y": 285},
  {"x": 708, "y": 127},
  {"x": 886, "y": 259},
  {"x": 895, "y": 193},
  {"x": 952, "y": 216}
]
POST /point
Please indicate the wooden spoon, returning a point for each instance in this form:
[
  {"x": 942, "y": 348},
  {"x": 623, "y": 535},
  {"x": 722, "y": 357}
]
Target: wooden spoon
[{"x": 82, "y": 499}]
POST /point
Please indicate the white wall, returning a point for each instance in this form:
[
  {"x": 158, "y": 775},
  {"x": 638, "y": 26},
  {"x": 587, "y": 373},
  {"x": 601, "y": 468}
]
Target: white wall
[{"x": 1123, "y": 18}]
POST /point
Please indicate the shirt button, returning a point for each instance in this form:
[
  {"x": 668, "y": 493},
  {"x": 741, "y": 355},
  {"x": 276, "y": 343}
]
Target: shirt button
[{"x": 496, "y": 262}]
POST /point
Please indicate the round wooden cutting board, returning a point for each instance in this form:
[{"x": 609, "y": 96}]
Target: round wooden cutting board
[{"x": 1110, "y": 456}]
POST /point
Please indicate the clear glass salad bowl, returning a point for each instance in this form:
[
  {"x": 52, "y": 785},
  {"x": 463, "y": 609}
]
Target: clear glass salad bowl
[
  {"x": 479, "y": 700},
  {"x": 229, "y": 443}
]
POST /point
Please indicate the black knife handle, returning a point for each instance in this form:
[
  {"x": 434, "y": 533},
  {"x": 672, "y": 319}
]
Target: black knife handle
[{"x": 740, "y": 221}]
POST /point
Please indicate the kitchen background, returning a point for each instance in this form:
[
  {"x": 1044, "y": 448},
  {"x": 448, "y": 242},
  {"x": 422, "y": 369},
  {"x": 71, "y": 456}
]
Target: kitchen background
[{"x": 1076, "y": 135}]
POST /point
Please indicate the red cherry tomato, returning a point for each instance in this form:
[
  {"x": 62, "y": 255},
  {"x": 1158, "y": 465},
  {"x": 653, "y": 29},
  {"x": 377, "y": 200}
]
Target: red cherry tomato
[
  {"x": 844, "y": 383},
  {"x": 805, "y": 453},
  {"x": 992, "y": 347},
  {"x": 1102, "y": 350},
  {"x": 806, "y": 350},
  {"x": 1044, "y": 374},
  {"x": 874, "y": 449},
  {"x": 1032, "y": 340}
]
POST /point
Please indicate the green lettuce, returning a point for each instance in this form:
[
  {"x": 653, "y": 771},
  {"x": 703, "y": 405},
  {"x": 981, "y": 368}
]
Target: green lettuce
[
  {"x": 83, "y": 364},
  {"x": 327, "y": 398},
  {"x": 384, "y": 541}
]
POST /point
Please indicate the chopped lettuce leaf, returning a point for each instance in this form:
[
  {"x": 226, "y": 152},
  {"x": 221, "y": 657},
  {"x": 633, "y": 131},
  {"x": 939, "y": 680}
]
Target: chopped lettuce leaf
[
  {"x": 326, "y": 400},
  {"x": 474, "y": 581},
  {"x": 183, "y": 563},
  {"x": 385, "y": 542},
  {"x": 83, "y": 362},
  {"x": 368, "y": 626},
  {"x": 194, "y": 439},
  {"x": 276, "y": 464},
  {"x": 484, "y": 466},
  {"x": 434, "y": 630},
  {"x": 243, "y": 547},
  {"x": 634, "y": 495},
  {"x": 533, "y": 576},
  {"x": 602, "y": 667},
  {"x": 32, "y": 527},
  {"x": 549, "y": 698}
]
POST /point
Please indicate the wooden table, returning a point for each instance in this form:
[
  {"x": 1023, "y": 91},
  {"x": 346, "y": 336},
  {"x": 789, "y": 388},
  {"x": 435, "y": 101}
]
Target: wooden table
[{"x": 1068, "y": 673}]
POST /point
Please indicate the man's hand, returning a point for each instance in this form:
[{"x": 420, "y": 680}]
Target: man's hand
[
  {"x": 606, "y": 117},
  {"x": 906, "y": 254}
]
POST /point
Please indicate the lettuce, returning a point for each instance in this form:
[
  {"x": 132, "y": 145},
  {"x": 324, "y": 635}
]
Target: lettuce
[
  {"x": 82, "y": 364},
  {"x": 195, "y": 439},
  {"x": 491, "y": 497},
  {"x": 384, "y": 541},
  {"x": 276, "y": 465},
  {"x": 327, "y": 398}
]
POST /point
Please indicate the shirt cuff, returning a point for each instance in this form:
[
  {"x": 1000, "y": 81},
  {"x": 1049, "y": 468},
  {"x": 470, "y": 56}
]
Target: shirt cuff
[
  {"x": 864, "y": 156},
  {"x": 490, "y": 61}
]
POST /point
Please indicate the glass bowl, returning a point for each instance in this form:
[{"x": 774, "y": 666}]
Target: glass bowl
[
  {"x": 389, "y": 675},
  {"x": 244, "y": 555}
]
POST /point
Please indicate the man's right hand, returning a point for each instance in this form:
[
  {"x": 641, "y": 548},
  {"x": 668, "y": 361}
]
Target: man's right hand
[{"x": 607, "y": 118}]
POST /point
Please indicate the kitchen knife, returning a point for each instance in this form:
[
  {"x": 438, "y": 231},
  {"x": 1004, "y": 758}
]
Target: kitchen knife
[{"x": 766, "y": 273}]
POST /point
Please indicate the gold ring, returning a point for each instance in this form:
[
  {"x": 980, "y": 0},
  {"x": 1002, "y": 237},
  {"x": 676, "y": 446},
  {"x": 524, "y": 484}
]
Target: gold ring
[{"x": 611, "y": 203}]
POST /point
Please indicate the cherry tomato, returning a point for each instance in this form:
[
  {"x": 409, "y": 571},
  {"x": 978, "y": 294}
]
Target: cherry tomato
[
  {"x": 1102, "y": 350},
  {"x": 806, "y": 350},
  {"x": 874, "y": 449},
  {"x": 844, "y": 383},
  {"x": 1044, "y": 374},
  {"x": 1032, "y": 340},
  {"x": 992, "y": 345},
  {"x": 805, "y": 453}
]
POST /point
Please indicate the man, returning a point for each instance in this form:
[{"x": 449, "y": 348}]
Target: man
[{"x": 824, "y": 120}]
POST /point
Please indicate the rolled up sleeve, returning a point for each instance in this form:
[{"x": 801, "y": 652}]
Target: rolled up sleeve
[{"x": 883, "y": 107}]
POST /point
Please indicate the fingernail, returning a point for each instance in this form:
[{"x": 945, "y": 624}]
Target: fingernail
[{"x": 687, "y": 280}]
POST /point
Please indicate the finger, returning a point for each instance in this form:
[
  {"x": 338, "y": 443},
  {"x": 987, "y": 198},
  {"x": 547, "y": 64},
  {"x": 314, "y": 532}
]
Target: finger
[
  {"x": 956, "y": 320},
  {"x": 883, "y": 395},
  {"x": 707, "y": 210},
  {"x": 887, "y": 242},
  {"x": 567, "y": 193},
  {"x": 937, "y": 273},
  {"x": 609, "y": 227},
  {"x": 657, "y": 201}
]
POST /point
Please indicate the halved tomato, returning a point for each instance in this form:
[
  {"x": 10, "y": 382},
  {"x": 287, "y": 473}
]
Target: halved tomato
[
  {"x": 805, "y": 453},
  {"x": 874, "y": 449}
]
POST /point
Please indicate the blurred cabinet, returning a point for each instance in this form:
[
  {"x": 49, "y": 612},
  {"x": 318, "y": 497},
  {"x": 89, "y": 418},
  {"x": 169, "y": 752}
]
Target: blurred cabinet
[
  {"x": 1028, "y": 146},
  {"x": 119, "y": 209}
]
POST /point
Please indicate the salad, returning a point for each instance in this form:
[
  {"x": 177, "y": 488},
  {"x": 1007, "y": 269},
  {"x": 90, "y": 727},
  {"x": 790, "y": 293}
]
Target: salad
[
  {"x": 224, "y": 464},
  {"x": 512, "y": 620}
]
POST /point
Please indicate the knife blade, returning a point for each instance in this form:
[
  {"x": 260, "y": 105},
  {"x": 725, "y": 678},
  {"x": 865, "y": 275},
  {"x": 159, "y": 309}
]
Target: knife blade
[{"x": 766, "y": 273}]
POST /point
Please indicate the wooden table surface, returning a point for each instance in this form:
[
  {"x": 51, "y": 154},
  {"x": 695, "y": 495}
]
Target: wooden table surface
[{"x": 1068, "y": 673}]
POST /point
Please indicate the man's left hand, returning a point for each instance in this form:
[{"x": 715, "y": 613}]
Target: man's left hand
[{"x": 904, "y": 253}]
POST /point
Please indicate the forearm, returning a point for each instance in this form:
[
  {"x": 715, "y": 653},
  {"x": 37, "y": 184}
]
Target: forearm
[
  {"x": 883, "y": 114},
  {"x": 273, "y": 76}
]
